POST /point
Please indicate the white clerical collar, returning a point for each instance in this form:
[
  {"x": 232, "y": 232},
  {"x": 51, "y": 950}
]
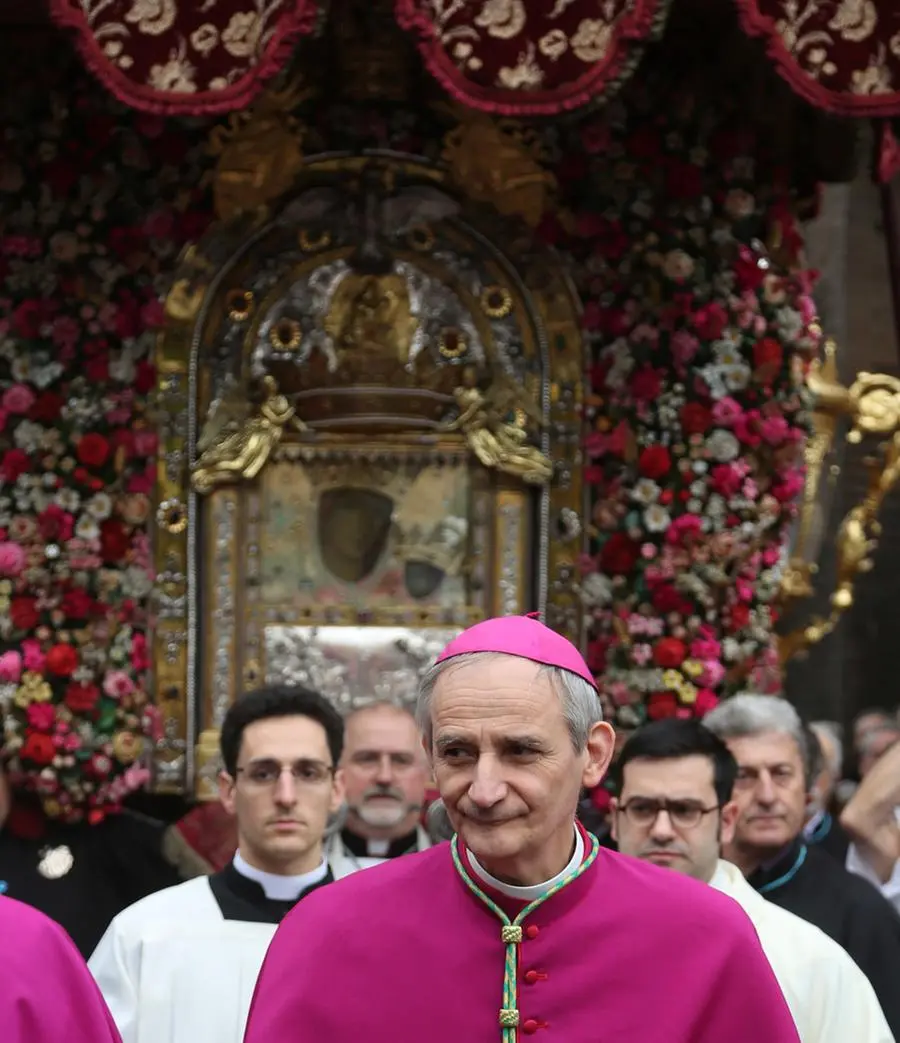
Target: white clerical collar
[
  {"x": 533, "y": 891},
  {"x": 280, "y": 888}
]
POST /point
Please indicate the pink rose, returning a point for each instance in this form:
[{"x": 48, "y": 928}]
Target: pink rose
[
  {"x": 774, "y": 429},
  {"x": 18, "y": 398},
  {"x": 726, "y": 412},
  {"x": 41, "y": 716},
  {"x": 117, "y": 684},
  {"x": 705, "y": 648},
  {"x": 12, "y": 559},
  {"x": 10, "y": 667},
  {"x": 713, "y": 673},
  {"x": 32, "y": 656}
]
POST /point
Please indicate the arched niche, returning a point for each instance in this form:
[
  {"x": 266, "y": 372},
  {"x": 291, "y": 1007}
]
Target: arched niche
[{"x": 370, "y": 419}]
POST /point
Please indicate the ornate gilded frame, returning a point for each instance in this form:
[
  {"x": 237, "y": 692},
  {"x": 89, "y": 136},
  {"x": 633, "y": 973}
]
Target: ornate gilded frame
[{"x": 207, "y": 643}]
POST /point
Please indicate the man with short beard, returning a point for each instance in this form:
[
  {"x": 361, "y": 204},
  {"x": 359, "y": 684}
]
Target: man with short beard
[{"x": 385, "y": 774}]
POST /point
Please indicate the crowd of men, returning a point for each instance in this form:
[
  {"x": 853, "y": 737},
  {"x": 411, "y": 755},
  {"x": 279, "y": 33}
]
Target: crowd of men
[{"x": 751, "y": 897}]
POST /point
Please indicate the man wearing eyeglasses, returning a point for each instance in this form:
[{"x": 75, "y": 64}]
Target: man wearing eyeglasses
[
  {"x": 675, "y": 810},
  {"x": 180, "y": 965},
  {"x": 385, "y": 775}
]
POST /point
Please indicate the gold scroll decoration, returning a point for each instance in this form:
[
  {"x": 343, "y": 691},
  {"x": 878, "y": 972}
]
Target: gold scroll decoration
[{"x": 872, "y": 404}]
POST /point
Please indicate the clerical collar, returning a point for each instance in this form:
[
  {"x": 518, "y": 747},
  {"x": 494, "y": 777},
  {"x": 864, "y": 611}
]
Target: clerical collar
[
  {"x": 532, "y": 891},
  {"x": 280, "y": 888},
  {"x": 364, "y": 847},
  {"x": 780, "y": 870}
]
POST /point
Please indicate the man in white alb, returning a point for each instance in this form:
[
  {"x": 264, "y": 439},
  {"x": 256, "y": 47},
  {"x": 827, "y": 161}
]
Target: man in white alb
[
  {"x": 675, "y": 810},
  {"x": 180, "y": 965}
]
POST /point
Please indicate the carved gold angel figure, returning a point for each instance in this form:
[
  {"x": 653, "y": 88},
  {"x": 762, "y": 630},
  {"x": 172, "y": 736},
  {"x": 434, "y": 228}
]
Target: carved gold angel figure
[
  {"x": 235, "y": 447},
  {"x": 497, "y": 442}
]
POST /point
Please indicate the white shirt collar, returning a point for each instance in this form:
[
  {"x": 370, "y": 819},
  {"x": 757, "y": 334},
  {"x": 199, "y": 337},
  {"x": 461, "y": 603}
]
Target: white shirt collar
[
  {"x": 280, "y": 888},
  {"x": 533, "y": 891}
]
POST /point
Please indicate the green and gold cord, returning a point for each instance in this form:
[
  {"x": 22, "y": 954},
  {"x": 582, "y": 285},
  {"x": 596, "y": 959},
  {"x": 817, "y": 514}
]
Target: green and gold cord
[{"x": 511, "y": 932}]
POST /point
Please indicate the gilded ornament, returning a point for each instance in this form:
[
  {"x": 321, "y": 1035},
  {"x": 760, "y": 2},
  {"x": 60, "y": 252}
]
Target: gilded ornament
[
  {"x": 286, "y": 335},
  {"x": 310, "y": 242},
  {"x": 421, "y": 238},
  {"x": 372, "y": 314},
  {"x": 259, "y": 153},
  {"x": 171, "y": 515},
  {"x": 499, "y": 163},
  {"x": 495, "y": 441},
  {"x": 452, "y": 344},
  {"x": 243, "y": 449},
  {"x": 496, "y": 302},
  {"x": 872, "y": 403},
  {"x": 239, "y": 304},
  {"x": 127, "y": 747},
  {"x": 184, "y": 300}
]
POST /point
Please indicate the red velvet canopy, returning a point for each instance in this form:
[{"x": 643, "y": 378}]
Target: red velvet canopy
[{"x": 517, "y": 57}]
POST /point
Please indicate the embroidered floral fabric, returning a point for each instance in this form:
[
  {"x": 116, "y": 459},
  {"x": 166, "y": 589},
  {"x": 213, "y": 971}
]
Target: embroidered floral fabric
[
  {"x": 841, "y": 55},
  {"x": 520, "y": 58},
  {"x": 177, "y": 56}
]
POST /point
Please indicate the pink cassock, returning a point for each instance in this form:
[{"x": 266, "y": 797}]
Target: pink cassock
[
  {"x": 47, "y": 994},
  {"x": 405, "y": 952}
]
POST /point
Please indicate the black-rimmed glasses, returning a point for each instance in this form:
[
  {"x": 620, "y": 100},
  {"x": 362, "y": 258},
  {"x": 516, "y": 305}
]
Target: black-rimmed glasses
[{"x": 644, "y": 811}]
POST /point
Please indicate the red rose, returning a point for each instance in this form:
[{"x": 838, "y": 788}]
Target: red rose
[
  {"x": 645, "y": 384},
  {"x": 92, "y": 450},
  {"x": 710, "y": 321},
  {"x": 706, "y": 701},
  {"x": 55, "y": 524},
  {"x": 114, "y": 540},
  {"x": 23, "y": 613},
  {"x": 62, "y": 660},
  {"x": 15, "y": 462},
  {"x": 27, "y": 319},
  {"x": 145, "y": 377},
  {"x": 696, "y": 419},
  {"x": 97, "y": 372},
  {"x": 619, "y": 555},
  {"x": 768, "y": 356},
  {"x": 596, "y": 655},
  {"x": 740, "y": 617},
  {"x": 81, "y": 698},
  {"x": 46, "y": 407},
  {"x": 77, "y": 604},
  {"x": 667, "y": 599},
  {"x": 654, "y": 461},
  {"x": 38, "y": 749},
  {"x": 661, "y": 705},
  {"x": 669, "y": 653}
]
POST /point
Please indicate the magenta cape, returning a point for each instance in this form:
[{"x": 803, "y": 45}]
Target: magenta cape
[
  {"x": 47, "y": 994},
  {"x": 404, "y": 952}
]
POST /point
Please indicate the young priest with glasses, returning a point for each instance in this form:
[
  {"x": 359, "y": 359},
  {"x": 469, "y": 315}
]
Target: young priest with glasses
[{"x": 180, "y": 965}]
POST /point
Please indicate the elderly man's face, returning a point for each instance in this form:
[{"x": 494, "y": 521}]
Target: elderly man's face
[
  {"x": 506, "y": 767},
  {"x": 770, "y": 791}
]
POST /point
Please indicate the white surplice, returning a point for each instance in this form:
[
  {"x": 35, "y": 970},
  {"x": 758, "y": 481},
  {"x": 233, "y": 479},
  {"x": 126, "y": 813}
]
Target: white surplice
[
  {"x": 172, "y": 969},
  {"x": 830, "y": 998}
]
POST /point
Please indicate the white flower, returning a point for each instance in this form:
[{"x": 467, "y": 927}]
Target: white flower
[
  {"x": 645, "y": 491},
  {"x": 99, "y": 506},
  {"x": 723, "y": 446},
  {"x": 86, "y": 528},
  {"x": 596, "y": 590},
  {"x": 68, "y": 499},
  {"x": 714, "y": 378},
  {"x": 736, "y": 377},
  {"x": 695, "y": 506},
  {"x": 656, "y": 518}
]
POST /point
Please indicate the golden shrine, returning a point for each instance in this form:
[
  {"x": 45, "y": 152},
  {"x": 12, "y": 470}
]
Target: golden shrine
[{"x": 370, "y": 403}]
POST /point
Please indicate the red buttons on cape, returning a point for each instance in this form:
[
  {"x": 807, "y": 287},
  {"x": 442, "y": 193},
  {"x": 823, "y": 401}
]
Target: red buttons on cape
[
  {"x": 530, "y": 1026},
  {"x": 532, "y": 931},
  {"x": 531, "y": 977}
]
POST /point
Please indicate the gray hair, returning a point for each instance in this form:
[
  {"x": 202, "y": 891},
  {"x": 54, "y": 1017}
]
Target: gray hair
[
  {"x": 750, "y": 714},
  {"x": 832, "y": 732},
  {"x": 580, "y": 701}
]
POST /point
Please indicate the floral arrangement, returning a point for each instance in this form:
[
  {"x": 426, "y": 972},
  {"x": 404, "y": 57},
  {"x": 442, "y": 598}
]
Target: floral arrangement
[
  {"x": 701, "y": 341},
  {"x": 93, "y": 211}
]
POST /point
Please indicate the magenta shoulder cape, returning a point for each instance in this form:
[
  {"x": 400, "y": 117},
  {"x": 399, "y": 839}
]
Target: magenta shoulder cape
[
  {"x": 404, "y": 952},
  {"x": 47, "y": 994}
]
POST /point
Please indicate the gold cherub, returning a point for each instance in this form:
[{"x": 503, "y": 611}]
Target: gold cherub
[
  {"x": 498, "y": 442},
  {"x": 236, "y": 448}
]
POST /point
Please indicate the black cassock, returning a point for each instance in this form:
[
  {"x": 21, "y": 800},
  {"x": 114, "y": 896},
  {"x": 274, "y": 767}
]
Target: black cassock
[
  {"x": 82, "y": 875},
  {"x": 815, "y": 886}
]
